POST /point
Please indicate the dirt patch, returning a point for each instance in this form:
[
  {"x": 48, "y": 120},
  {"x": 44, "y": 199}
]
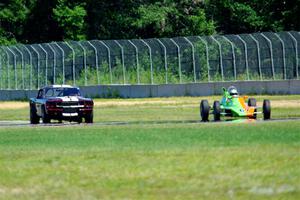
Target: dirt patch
[
  {"x": 13, "y": 105},
  {"x": 134, "y": 103},
  {"x": 286, "y": 104}
]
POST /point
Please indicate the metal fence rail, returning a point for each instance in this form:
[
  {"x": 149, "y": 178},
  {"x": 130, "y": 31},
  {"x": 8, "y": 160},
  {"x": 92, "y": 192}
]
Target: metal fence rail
[{"x": 257, "y": 56}]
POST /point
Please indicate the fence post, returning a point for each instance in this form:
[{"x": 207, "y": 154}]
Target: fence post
[
  {"x": 271, "y": 52},
  {"x": 193, "y": 57},
  {"x": 22, "y": 64},
  {"x": 38, "y": 65},
  {"x": 63, "y": 60},
  {"x": 165, "y": 58},
  {"x": 46, "y": 64},
  {"x": 7, "y": 67},
  {"x": 73, "y": 62},
  {"x": 151, "y": 63},
  {"x": 296, "y": 52},
  {"x": 54, "y": 61},
  {"x": 123, "y": 62},
  {"x": 84, "y": 62},
  {"x": 246, "y": 55},
  {"x": 221, "y": 57},
  {"x": 96, "y": 61},
  {"x": 137, "y": 60},
  {"x": 233, "y": 56},
  {"x": 1, "y": 72},
  {"x": 283, "y": 54},
  {"x": 109, "y": 60},
  {"x": 30, "y": 61},
  {"x": 179, "y": 60},
  {"x": 258, "y": 54},
  {"x": 207, "y": 57},
  {"x": 15, "y": 67}
]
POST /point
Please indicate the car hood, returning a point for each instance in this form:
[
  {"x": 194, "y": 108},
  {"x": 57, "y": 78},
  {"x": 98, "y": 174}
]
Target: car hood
[{"x": 72, "y": 98}]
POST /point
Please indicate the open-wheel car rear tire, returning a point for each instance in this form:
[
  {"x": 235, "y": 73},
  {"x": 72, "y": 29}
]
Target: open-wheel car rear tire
[
  {"x": 252, "y": 103},
  {"x": 217, "y": 111}
]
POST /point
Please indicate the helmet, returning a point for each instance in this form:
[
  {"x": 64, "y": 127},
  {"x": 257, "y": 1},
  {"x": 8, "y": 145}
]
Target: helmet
[{"x": 233, "y": 91}]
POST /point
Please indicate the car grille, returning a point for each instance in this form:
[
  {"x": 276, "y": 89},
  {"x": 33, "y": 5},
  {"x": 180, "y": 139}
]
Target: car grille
[
  {"x": 69, "y": 103},
  {"x": 70, "y": 110},
  {"x": 69, "y": 106}
]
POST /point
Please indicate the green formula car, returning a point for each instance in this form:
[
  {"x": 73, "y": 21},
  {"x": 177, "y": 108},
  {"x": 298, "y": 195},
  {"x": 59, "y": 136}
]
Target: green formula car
[{"x": 232, "y": 105}]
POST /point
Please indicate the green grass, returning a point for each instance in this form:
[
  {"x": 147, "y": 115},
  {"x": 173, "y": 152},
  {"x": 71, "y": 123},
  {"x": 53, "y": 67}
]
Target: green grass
[
  {"x": 248, "y": 160},
  {"x": 184, "y": 161}
]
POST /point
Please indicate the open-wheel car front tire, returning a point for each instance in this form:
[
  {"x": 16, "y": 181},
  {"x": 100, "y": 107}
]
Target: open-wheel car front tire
[
  {"x": 217, "y": 111},
  {"x": 267, "y": 109},
  {"x": 204, "y": 110}
]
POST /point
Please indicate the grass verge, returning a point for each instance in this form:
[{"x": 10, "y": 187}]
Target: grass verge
[{"x": 181, "y": 161}]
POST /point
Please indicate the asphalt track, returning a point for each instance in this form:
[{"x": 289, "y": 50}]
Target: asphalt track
[{"x": 118, "y": 123}]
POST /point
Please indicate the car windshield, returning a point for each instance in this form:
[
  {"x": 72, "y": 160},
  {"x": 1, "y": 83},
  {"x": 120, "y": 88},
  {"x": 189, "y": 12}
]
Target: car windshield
[{"x": 60, "y": 92}]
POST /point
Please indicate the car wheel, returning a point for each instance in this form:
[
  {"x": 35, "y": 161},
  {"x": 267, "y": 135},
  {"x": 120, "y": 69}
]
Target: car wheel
[
  {"x": 34, "y": 118},
  {"x": 79, "y": 120},
  {"x": 89, "y": 118},
  {"x": 45, "y": 117},
  {"x": 204, "y": 110},
  {"x": 217, "y": 111},
  {"x": 252, "y": 103},
  {"x": 267, "y": 109}
]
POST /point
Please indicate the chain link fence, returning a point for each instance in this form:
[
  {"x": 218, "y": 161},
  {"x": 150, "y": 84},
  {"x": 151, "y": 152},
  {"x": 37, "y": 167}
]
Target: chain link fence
[{"x": 258, "y": 56}]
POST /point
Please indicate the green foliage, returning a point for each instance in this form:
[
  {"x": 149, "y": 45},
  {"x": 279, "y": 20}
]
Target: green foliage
[
  {"x": 71, "y": 20},
  {"x": 155, "y": 17},
  {"x": 43, "y": 21},
  {"x": 13, "y": 15},
  {"x": 245, "y": 14},
  {"x": 241, "y": 16},
  {"x": 166, "y": 18}
]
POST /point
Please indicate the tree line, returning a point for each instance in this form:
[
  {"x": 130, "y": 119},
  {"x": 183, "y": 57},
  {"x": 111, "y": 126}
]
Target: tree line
[{"x": 38, "y": 21}]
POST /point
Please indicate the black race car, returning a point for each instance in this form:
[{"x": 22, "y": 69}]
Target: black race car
[{"x": 60, "y": 102}]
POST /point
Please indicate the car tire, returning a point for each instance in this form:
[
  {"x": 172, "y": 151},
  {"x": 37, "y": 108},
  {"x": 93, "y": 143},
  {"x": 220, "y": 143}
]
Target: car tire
[
  {"x": 217, "y": 111},
  {"x": 34, "y": 118},
  {"x": 89, "y": 118},
  {"x": 204, "y": 110},
  {"x": 79, "y": 120},
  {"x": 45, "y": 117},
  {"x": 267, "y": 109},
  {"x": 252, "y": 103}
]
